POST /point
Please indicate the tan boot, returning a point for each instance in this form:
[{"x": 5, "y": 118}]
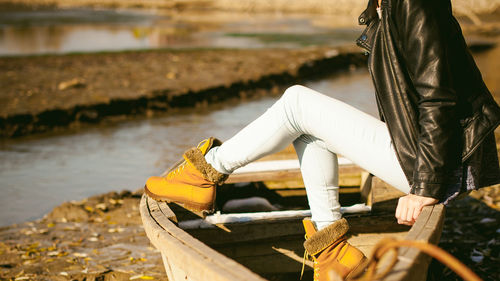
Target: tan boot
[
  {"x": 330, "y": 251},
  {"x": 191, "y": 182}
]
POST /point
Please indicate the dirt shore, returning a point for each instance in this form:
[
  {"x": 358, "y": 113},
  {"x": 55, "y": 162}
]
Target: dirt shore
[
  {"x": 71, "y": 90},
  {"x": 102, "y": 238}
]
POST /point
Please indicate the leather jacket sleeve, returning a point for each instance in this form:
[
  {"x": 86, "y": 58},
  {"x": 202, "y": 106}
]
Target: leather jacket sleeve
[{"x": 422, "y": 27}]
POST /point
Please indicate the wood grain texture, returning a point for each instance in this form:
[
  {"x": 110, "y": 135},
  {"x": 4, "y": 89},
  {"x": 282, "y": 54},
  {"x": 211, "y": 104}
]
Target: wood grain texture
[
  {"x": 349, "y": 175},
  {"x": 412, "y": 264},
  {"x": 384, "y": 196},
  {"x": 186, "y": 258}
]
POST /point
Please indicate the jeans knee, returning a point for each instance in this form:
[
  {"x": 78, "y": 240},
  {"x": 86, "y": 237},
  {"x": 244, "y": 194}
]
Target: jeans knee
[{"x": 293, "y": 91}]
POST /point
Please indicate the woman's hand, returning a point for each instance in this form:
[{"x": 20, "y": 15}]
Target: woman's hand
[{"x": 410, "y": 206}]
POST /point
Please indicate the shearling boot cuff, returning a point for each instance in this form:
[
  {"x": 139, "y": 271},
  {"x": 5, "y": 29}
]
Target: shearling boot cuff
[
  {"x": 196, "y": 157},
  {"x": 326, "y": 237}
]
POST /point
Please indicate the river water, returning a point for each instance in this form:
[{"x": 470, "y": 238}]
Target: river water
[
  {"x": 86, "y": 30},
  {"x": 39, "y": 173}
]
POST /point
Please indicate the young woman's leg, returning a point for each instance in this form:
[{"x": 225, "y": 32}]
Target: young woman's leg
[
  {"x": 319, "y": 168},
  {"x": 319, "y": 125}
]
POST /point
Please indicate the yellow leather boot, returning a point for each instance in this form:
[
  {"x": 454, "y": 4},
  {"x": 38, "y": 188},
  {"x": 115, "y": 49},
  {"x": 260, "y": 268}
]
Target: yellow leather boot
[
  {"x": 190, "y": 183},
  {"x": 333, "y": 256}
]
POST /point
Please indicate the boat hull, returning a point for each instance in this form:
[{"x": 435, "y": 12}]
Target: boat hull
[{"x": 270, "y": 248}]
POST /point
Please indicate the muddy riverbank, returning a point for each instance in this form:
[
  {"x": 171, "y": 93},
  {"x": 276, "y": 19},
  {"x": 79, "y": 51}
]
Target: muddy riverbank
[
  {"x": 102, "y": 238},
  {"x": 45, "y": 93},
  {"x": 48, "y": 93}
]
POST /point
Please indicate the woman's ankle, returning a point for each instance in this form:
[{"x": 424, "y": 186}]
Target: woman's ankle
[{"x": 211, "y": 158}]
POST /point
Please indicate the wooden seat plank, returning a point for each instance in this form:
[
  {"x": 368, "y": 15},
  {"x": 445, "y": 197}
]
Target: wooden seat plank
[{"x": 289, "y": 170}]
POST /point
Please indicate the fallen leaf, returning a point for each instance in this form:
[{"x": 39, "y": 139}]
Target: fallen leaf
[
  {"x": 73, "y": 83},
  {"x": 101, "y": 206},
  {"x": 53, "y": 253},
  {"x": 142, "y": 277},
  {"x": 43, "y": 231},
  {"x": 118, "y": 229},
  {"x": 487, "y": 220}
]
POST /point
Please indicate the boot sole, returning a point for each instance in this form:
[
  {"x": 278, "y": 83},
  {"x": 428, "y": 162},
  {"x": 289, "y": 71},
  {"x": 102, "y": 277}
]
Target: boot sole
[{"x": 198, "y": 209}]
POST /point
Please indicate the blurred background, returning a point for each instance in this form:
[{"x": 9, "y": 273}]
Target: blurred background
[{"x": 73, "y": 59}]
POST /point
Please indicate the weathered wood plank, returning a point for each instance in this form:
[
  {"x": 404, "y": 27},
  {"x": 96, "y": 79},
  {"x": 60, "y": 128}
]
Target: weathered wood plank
[
  {"x": 345, "y": 180},
  {"x": 412, "y": 264},
  {"x": 384, "y": 196},
  {"x": 187, "y": 255},
  {"x": 282, "y": 254},
  {"x": 265, "y": 176},
  {"x": 291, "y": 192},
  {"x": 366, "y": 241},
  {"x": 283, "y": 228},
  {"x": 167, "y": 212},
  {"x": 349, "y": 174}
]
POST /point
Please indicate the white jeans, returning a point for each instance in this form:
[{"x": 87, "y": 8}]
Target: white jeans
[{"x": 319, "y": 127}]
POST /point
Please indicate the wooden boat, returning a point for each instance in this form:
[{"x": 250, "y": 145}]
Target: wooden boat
[{"x": 268, "y": 245}]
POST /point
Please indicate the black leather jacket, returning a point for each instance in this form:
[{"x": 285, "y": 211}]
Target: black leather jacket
[{"x": 429, "y": 91}]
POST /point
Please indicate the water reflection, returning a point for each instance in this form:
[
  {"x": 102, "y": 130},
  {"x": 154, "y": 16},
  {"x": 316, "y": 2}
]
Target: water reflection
[
  {"x": 52, "y": 39},
  {"x": 63, "y": 31}
]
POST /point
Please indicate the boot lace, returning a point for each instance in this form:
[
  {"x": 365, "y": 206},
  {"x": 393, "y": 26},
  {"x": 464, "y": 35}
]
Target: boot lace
[
  {"x": 315, "y": 262},
  {"x": 177, "y": 170},
  {"x": 179, "y": 167}
]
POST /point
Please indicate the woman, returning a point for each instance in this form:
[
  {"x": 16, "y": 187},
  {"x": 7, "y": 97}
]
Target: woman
[{"x": 435, "y": 140}]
